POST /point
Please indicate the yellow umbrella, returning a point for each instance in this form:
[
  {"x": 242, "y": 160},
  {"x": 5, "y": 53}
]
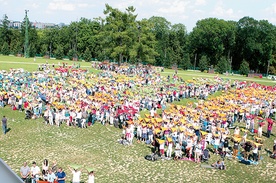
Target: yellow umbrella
[
  {"x": 164, "y": 128},
  {"x": 161, "y": 141},
  {"x": 182, "y": 121},
  {"x": 173, "y": 129},
  {"x": 147, "y": 120},
  {"x": 203, "y": 133},
  {"x": 237, "y": 139},
  {"x": 157, "y": 130},
  {"x": 258, "y": 144},
  {"x": 181, "y": 129},
  {"x": 216, "y": 135},
  {"x": 158, "y": 120}
]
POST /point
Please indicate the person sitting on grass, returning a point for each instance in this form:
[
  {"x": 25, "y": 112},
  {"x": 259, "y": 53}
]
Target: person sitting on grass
[
  {"x": 273, "y": 155},
  {"x": 247, "y": 149},
  {"x": 219, "y": 165},
  {"x": 123, "y": 141}
]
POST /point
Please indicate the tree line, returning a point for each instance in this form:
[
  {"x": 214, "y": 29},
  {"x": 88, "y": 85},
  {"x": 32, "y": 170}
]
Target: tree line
[{"x": 247, "y": 44}]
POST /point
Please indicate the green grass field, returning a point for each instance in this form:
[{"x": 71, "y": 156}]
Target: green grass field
[{"x": 96, "y": 147}]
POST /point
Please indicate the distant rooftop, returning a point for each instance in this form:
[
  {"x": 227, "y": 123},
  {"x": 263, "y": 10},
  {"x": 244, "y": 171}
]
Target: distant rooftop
[{"x": 37, "y": 25}]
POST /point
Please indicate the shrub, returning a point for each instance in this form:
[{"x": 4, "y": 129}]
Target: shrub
[
  {"x": 87, "y": 55},
  {"x": 223, "y": 65},
  {"x": 244, "y": 68},
  {"x": 203, "y": 63},
  {"x": 59, "y": 52},
  {"x": 5, "y": 49}
]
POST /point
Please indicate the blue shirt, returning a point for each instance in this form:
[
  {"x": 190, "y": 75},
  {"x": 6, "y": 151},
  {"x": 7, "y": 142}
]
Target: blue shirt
[{"x": 61, "y": 175}]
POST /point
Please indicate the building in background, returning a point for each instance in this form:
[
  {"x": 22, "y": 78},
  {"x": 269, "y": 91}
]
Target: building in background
[{"x": 37, "y": 25}]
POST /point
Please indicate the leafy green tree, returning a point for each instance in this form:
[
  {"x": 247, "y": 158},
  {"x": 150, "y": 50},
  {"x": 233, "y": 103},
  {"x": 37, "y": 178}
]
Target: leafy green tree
[
  {"x": 5, "y": 49},
  {"x": 5, "y": 32},
  {"x": 44, "y": 50},
  {"x": 59, "y": 52},
  {"x": 223, "y": 65},
  {"x": 16, "y": 44},
  {"x": 118, "y": 33},
  {"x": 87, "y": 55},
  {"x": 203, "y": 63},
  {"x": 186, "y": 62},
  {"x": 272, "y": 70},
  {"x": 161, "y": 28},
  {"x": 244, "y": 68},
  {"x": 143, "y": 50},
  {"x": 212, "y": 37},
  {"x": 71, "y": 54},
  {"x": 32, "y": 49},
  {"x": 255, "y": 43},
  {"x": 177, "y": 43}
]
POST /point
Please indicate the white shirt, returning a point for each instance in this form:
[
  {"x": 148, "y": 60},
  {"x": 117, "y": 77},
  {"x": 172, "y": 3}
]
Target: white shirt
[
  {"x": 35, "y": 170},
  {"x": 76, "y": 176},
  {"x": 255, "y": 150},
  {"x": 79, "y": 115},
  {"x": 91, "y": 179}
]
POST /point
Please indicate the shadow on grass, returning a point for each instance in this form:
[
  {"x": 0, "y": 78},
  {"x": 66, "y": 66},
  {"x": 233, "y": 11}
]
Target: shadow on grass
[
  {"x": 8, "y": 130},
  {"x": 268, "y": 151}
]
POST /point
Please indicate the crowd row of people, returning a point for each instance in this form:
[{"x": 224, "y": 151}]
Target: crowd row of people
[{"x": 51, "y": 173}]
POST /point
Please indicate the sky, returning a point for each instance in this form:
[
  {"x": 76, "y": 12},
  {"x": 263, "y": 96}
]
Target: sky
[{"x": 187, "y": 12}]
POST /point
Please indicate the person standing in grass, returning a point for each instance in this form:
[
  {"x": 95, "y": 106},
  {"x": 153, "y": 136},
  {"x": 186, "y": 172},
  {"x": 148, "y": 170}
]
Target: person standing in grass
[
  {"x": 51, "y": 176},
  {"x": 54, "y": 166},
  {"x": 60, "y": 176},
  {"x": 35, "y": 172},
  {"x": 76, "y": 174},
  {"x": 91, "y": 177},
  {"x": 169, "y": 150},
  {"x": 24, "y": 171},
  {"x": 269, "y": 129},
  {"x": 161, "y": 148},
  {"x": 4, "y": 124},
  {"x": 197, "y": 152}
]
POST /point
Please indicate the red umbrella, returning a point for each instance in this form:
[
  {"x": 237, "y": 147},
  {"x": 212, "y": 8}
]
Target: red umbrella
[
  {"x": 262, "y": 124},
  {"x": 269, "y": 120}
]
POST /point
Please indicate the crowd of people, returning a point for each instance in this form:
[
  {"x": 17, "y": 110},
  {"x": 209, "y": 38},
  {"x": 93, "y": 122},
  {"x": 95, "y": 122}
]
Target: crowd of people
[
  {"x": 188, "y": 130},
  {"x": 52, "y": 173},
  {"x": 117, "y": 94},
  {"x": 79, "y": 98}
]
